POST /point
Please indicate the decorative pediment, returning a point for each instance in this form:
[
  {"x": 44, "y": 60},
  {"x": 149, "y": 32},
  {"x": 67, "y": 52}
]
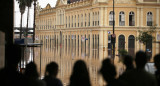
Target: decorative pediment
[
  {"x": 47, "y": 7},
  {"x": 61, "y": 2}
]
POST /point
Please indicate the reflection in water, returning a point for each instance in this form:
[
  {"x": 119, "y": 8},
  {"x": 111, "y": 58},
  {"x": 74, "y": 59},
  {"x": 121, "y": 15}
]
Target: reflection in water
[
  {"x": 66, "y": 55},
  {"x": 67, "y": 51}
]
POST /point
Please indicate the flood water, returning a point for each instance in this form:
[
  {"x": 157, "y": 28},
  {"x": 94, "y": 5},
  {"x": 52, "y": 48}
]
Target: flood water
[{"x": 65, "y": 56}]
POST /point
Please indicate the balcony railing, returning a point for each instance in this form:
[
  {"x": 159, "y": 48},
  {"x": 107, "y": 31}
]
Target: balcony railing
[
  {"x": 110, "y": 23},
  {"x": 131, "y": 23},
  {"x": 149, "y": 23},
  {"x": 122, "y": 23}
]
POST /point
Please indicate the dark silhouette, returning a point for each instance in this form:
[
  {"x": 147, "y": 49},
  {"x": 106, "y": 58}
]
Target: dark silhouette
[
  {"x": 108, "y": 72},
  {"x": 80, "y": 75},
  {"x": 139, "y": 76},
  {"x": 51, "y": 75},
  {"x": 32, "y": 75},
  {"x": 157, "y": 65},
  {"x": 9, "y": 76},
  {"x": 128, "y": 62}
]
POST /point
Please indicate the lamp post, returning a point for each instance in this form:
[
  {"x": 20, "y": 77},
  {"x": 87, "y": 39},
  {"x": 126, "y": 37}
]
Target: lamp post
[
  {"x": 34, "y": 25},
  {"x": 113, "y": 43}
]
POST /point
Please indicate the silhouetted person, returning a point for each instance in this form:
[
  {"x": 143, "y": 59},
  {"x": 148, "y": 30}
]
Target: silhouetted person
[
  {"x": 139, "y": 76},
  {"x": 108, "y": 72},
  {"x": 32, "y": 75},
  {"x": 80, "y": 75},
  {"x": 51, "y": 75},
  {"x": 9, "y": 76},
  {"x": 128, "y": 62},
  {"x": 157, "y": 65}
]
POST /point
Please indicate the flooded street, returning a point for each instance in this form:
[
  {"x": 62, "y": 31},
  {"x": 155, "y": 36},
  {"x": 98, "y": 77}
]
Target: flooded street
[{"x": 66, "y": 56}]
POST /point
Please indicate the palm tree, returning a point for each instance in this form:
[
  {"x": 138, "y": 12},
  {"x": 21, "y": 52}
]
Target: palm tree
[
  {"x": 22, "y": 7},
  {"x": 28, "y": 4}
]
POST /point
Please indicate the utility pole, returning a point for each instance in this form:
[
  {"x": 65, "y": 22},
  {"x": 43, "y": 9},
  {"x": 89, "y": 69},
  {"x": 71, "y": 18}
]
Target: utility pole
[
  {"x": 34, "y": 26},
  {"x": 113, "y": 43}
]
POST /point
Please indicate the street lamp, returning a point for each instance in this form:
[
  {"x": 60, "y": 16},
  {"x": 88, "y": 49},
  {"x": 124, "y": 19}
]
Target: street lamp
[
  {"x": 113, "y": 36},
  {"x": 34, "y": 25}
]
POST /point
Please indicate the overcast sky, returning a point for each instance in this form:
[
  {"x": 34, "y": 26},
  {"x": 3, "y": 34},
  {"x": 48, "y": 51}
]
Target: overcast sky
[{"x": 17, "y": 16}]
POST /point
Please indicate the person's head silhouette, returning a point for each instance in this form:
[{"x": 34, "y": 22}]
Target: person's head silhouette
[
  {"x": 108, "y": 70},
  {"x": 128, "y": 62},
  {"x": 52, "y": 69},
  {"x": 80, "y": 67},
  {"x": 141, "y": 59},
  {"x": 157, "y": 61},
  {"x": 31, "y": 70},
  {"x": 80, "y": 75}
]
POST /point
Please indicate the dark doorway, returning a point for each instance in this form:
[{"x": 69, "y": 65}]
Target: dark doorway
[
  {"x": 131, "y": 45},
  {"x": 121, "y": 42},
  {"x": 149, "y": 48}
]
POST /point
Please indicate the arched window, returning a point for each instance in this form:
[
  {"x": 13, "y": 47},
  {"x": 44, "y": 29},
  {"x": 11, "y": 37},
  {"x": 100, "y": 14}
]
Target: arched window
[
  {"x": 75, "y": 20},
  {"x": 78, "y": 20},
  {"x": 111, "y": 18},
  {"x": 93, "y": 19},
  {"x": 89, "y": 20},
  {"x": 81, "y": 20},
  {"x": 121, "y": 42},
  {"x": 121, "y": 18},
  {"x": 98, "y": 18},
  {"x": 149, "y": 19},
  {"x": 149, "y": 47},
  {"x": 131, "y": 45},
  {"x": 131, "y": 19},
  {"x": 66, "y": 21},
  {"x": 69, "y": 21},
  {"x": 85, "y": 20},
  {"x": 72, "y": 21}
]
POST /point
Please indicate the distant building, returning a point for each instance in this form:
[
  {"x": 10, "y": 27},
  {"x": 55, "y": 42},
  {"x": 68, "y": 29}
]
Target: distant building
[{"x": 87, "y": 24}]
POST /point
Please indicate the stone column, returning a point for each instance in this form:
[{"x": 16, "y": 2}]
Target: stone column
[
  {"x": 83, "y": 18},
  {"x": 138, "y": 16},
  {"x": 105, "y": 17},
  {"x": 91, "y": 45},
  {"x": 71, "y": 45},
  {"x": 126, "y": 43},
  {"x": 91, "y": 18},
  {"x": 76, "y": 44},
  {"x": 100, "y": 17},
  {"x": 80, "y": 44},
  {"x": 2, "y": 49},
  {"x": 101, "y": 45},
  {"x": 157, "y": 17},
  {"x": 157, "y": 44},
  {"x": 105, "y": 44},
  {"x": 67, "y": 43},
  {"x": 87, "y": 43},
  {"x": 94, "y": 36},
  {"x": 87, "y": 18},
  {"x": 137, "y": 47},
  {"x": 141, "y": 18}
]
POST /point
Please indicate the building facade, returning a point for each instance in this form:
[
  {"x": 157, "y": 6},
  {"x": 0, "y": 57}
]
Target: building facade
[{"x": 88, "y": 24}]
